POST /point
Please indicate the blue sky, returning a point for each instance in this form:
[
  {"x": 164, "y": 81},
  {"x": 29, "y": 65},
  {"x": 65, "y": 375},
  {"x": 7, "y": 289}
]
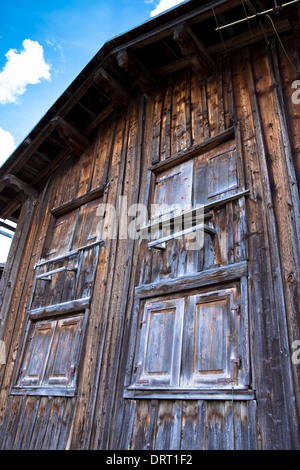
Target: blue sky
[{"x": 43, "y": 47}]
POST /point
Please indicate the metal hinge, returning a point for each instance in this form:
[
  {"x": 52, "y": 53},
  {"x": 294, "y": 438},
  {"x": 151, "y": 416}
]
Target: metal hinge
[
  {"x": 137, "y": 370},
  {"x": 232, "y": 304},
  {"x": 142, "y": 322},
  {"x": 234, "y": 364}
]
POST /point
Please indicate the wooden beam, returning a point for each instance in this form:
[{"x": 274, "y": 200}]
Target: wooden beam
[
  {"x": 172, "y": 67},
  {"x": 16, "y": 203},
  {"x": 24, "y": 156},
  {"x": 112, "y": 88},
  {"x": 103, "y": 114},
  {"x": 53, "y": 165},
  {"x": 19, "y": 186},
  {"x": 246, "y": 39},
  {"x": 229, "y": 45},
  {"x": 196, "y": 16},
  {"x": 135, "y": 69},
  {"x": 191, "y": 47},
  {"x": 18, "y": 200},
  {"x": 289, "y": 13},
  {"x": 84, "y": 87},
  {"x": 72, "y": 137}
]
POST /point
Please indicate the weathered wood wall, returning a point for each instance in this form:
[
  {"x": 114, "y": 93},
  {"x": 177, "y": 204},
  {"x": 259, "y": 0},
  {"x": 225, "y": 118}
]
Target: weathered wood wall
[{"x": 251, "y": 90}]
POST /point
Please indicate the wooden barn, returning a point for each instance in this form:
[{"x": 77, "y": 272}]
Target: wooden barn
[{"x": 120, "y": 334}]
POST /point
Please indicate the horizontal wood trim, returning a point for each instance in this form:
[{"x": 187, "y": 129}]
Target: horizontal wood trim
[
  {"x": 193, "y": 394},
  {"x": 72, "y": 306},
  {"x": 193, "y": 212},
  {"x": 208, "y": 277},
  {"x": 196, "y": 150},
  {"x": 225, "y": 200},
  {"x": 68, "y": 254},
  {"x": 46, "y": 275},
  {"x": 79, "y": 201},
  {"x": 209, "y": 230},
  {"x": 44, "y": 391}
]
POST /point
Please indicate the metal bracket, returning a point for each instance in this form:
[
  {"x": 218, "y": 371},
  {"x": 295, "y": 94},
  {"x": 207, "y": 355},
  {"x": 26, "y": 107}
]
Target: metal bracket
[
  {"x": 137, "y": 370},
  {"x": 232, "y": 370},
  {"x": 142, "y": 322},
  {"x": 232, "y": 305}
]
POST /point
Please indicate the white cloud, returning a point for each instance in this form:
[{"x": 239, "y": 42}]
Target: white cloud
[
  {"x": 164, "y": 5},
  {"x": 7, "y": 145},
  {"x": 27, "y": 67}
]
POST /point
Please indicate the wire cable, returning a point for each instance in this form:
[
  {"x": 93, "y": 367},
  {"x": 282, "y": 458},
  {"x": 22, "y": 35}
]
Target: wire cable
[
  {"x": 220, "y": 32},
  {"x": 280, "y": 42},
  {"x": 275, "y": 30},
  {"x": 248, "y": 21}
]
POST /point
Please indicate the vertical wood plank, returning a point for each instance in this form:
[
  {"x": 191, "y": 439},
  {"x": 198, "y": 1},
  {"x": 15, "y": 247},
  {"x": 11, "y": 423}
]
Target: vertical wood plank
[
  {"x": 245, "y": 425},
  {"x": 192, "y": 420},
  {"x": 180, "y": 125},
  {"x": 215, "y": 424},
  {"x": 165, "y": 144},
  {"x": 144, "y": 425},
  {"x": 27, "y": 424},
  {"x": 124, "y": 441},
  {"x": 97, "y": 327},
  {"x": 196, "y": 111},
  {"x": 73, "y": 180},
  {"x": 102, "y": 158},
  {"x": 212, "y": 105},
  {"x": 164, "y": 425},
  {"x": 54, "y": 424},
  {"x": 157, "y": 124},
  {"x": 123, "y": 258},
  {"x": 15, "y": 413},
  {"x": 264, "y": 111}
]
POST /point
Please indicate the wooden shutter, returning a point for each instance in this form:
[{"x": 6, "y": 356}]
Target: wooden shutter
[
  {"x": 215, "y": 173},
  {"x": 211, "y": 356},
  {"x": 52, "y": 353},
  {"x": 64, "y": 352},
  {"x": 159, "y": 350},
  {"x": 60, "y": 236},
  {"x": 174, "y": 188},
  {"x": 200, "y": 182},
  {"x": 74, "y": 274},
  {"x": 37, "y": 352},
  {"x": 222, "y": 173},
  {"x": 86, "y": 226}
]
